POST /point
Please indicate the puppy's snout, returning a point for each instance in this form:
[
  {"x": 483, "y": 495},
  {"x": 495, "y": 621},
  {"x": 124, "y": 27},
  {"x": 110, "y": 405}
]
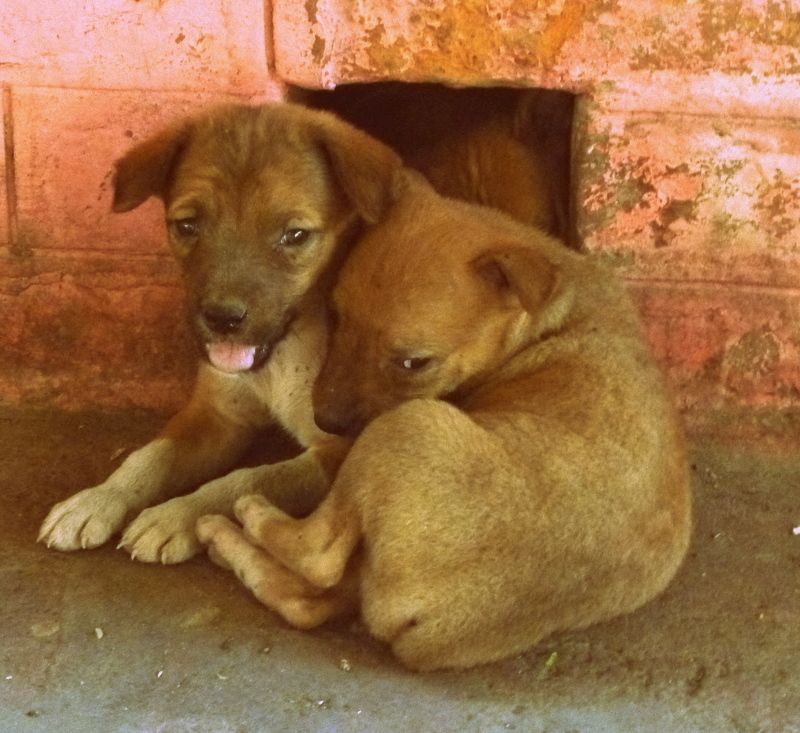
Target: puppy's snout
[
  {"x": 345, "y": 425},
  {"x": 224, "y": 317}
]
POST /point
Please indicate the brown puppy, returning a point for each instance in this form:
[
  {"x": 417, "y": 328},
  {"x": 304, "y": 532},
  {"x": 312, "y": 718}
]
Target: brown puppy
[
  {"x": 261, "y": 205},
  {"x": 500, "y": 147},
  {"x": 490, "y": 165},
  {"x": 519, "y": 469}
]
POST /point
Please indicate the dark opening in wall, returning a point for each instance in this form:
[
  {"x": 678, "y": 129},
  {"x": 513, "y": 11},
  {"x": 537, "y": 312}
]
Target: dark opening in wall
[{"x": 499, "y": 146}]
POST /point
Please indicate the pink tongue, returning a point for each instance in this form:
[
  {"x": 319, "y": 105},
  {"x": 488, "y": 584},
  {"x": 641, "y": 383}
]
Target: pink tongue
[{"x": 229, "y": 357}]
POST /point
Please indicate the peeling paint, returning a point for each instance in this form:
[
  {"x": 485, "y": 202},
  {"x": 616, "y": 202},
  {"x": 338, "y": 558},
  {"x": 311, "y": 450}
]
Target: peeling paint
[
  {"x": 311, "y": 10},
  {"x": 676, "y": 210},
  {"x": 318, "y": 49},
  {"x": 751, "y": 363},
  {"x": 689, "y": 202},
  {"x": 736, "y": 36},
  {"x": 779, "y": 204}
]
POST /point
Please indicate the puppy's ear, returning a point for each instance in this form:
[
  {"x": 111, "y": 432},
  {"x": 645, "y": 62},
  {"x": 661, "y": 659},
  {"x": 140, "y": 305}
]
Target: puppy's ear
[
  {"x": 145, "y": 169},
  {"x": 527, "y": 277},
  {"x": 364, "y": 167}
]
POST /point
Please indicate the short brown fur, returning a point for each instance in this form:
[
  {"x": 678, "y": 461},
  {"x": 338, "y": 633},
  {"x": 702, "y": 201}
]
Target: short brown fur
[
  {"x": 238, "y": 184},
  {"x": 518, "y": 468}
]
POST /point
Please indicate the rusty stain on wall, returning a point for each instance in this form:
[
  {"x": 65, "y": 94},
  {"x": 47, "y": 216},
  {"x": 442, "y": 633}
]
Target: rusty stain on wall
[
  {"x": 455, "y": 38},
  {"x": 573, "y": 44},
  {"x": 559, "y": 29}
]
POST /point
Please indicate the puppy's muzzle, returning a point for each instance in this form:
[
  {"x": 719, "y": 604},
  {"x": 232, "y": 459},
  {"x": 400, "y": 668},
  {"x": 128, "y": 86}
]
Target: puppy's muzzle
[
  {"x": 231, "y": 338},
  {"x": 225, "y": 317},
  {"x": 335, "y": 413},
  {"x": 345, "y": 425}
]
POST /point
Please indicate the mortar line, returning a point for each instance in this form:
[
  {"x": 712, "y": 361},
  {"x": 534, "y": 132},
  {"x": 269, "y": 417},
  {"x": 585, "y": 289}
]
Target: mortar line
[
  {"x": 699, "y": 284},
  {"x": 10, "y": 167}
]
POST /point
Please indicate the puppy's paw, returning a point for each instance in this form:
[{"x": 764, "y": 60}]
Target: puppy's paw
[
  {"x": 259, "y": 518},
  {"x": 84, "y": 521},
  {"x": 271, "y": 583},
  {"x": 211, "y": 531},
  {"x": 164, "y": 533}
]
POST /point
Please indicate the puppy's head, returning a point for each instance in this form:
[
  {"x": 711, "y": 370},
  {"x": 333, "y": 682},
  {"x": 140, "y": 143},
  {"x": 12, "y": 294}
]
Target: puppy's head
[
  {"x": 259, "y": 202},
  {"x": 433, "y": 302}
]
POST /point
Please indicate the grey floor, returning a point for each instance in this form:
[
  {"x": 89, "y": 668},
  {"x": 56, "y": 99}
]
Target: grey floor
[{"x": 93, "y": 641}]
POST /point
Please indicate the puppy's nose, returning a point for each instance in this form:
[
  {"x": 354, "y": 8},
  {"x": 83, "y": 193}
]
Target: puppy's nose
[
  {"x": 345, "y": 425},
  {"x": 224, "y": 317}
]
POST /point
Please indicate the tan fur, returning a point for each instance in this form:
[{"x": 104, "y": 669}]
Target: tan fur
[
  {"x": 529, "y": 478},
  {"x": 244, "y": 177}
]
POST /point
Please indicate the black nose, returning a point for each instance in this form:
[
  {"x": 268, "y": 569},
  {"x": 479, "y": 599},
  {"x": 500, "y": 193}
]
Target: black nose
[
  {"x": 344, "y": 425},
  {"x": 224, "y": 317}
]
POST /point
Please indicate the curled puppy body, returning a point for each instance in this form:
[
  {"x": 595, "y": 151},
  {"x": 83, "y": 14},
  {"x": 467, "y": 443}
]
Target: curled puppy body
[
  {"x": 518, "y": 468},
  {"x": 261, "y": 205}
]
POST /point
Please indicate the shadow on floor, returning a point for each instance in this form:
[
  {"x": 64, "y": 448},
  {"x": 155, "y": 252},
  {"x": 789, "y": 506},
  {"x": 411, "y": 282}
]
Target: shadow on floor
[{"x": 92, "y": 641}]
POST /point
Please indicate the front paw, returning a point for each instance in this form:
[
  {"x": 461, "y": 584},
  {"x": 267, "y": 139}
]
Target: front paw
[
  {"x": 85, "y": 520},
  {"x": 164, "y": 533}
]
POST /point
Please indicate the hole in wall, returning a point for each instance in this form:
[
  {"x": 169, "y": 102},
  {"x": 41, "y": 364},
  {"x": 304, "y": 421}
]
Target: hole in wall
[{"x": 506, "y": 147}]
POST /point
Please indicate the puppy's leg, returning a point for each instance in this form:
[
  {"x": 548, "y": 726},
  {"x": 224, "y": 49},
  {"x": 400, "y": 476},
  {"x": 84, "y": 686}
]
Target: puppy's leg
[
  {"x": 166, "y": 533},
  {"x": 301, "y": 603},
  {"x": 442, "y": 509},
  {"x": 317, "y": 548},
  {"x": 199, "y": 443}
]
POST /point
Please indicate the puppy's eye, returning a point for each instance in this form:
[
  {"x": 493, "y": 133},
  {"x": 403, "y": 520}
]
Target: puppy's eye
[
  {"x": 295, "y": 237},
  {"x": 186, "y": 227},
  {"x": 412, "y": 364}
]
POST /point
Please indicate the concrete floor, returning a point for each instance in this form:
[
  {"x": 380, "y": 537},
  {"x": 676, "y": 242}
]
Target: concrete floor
[{"x": 95, "y": 642}]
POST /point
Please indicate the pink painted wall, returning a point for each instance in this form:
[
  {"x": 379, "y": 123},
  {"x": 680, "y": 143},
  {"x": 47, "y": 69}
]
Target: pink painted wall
[
  {"x": 687, "y": 164},
  {"x": 90, "y": 300}
]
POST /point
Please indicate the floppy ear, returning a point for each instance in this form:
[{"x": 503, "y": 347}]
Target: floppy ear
[
  {"x": 145, "y": 169},
  {"x": 364, "y": 167},
  {"x": 528, "y": 277}
]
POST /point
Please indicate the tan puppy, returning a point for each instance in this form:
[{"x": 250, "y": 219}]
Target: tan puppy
[
  {"x": 518, "y": 468},
  {"x": 261, "y": 206}
]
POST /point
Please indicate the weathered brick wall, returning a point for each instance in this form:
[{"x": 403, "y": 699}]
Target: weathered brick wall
[
  {"x": 686, "y": 155},
  {"x": 90, "y": 301},
  {"x": 687, "y": 164}
]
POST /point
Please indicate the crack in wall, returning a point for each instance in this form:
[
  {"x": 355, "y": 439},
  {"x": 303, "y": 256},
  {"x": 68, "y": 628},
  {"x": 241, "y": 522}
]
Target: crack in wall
[{"x": 10, "y": 167}]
